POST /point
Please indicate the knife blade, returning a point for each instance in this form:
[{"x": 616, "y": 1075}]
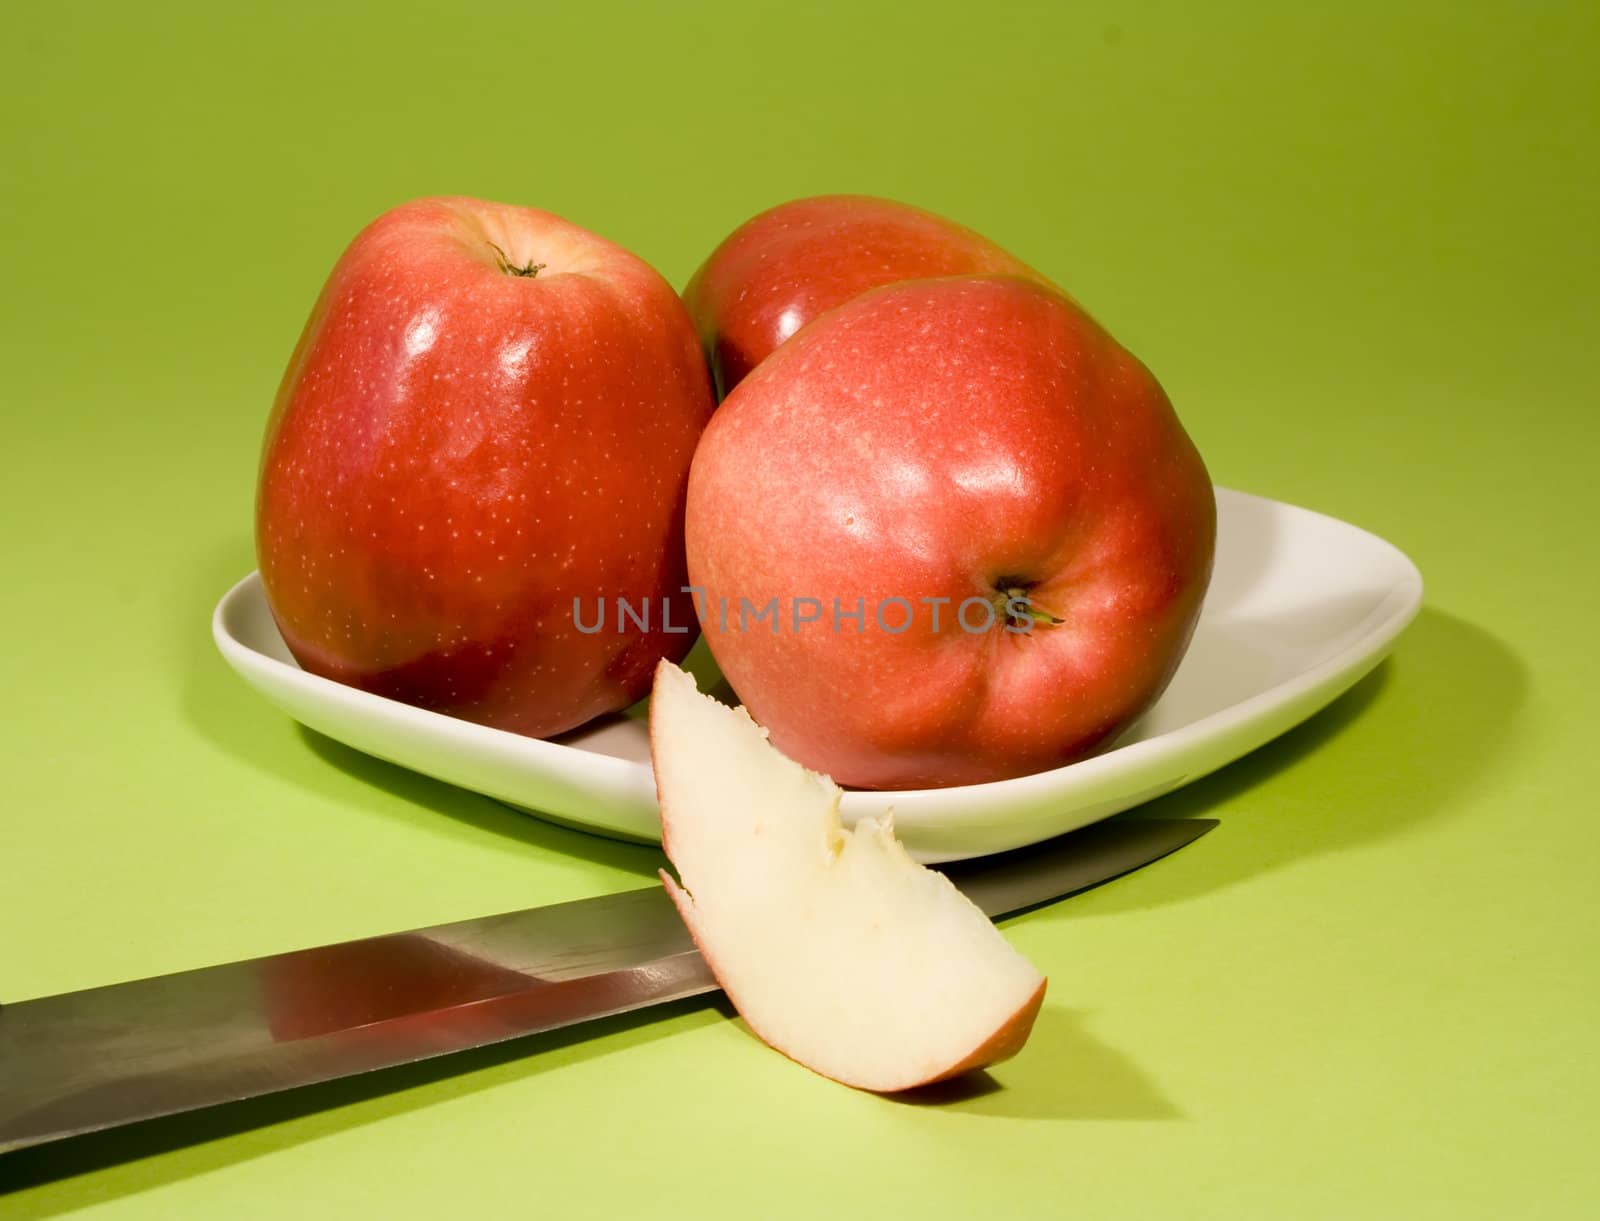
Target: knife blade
[{"x": 84, "y": 1061}]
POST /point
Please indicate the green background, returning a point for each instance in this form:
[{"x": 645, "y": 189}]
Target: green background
[{"x": 1359, "y": 250}]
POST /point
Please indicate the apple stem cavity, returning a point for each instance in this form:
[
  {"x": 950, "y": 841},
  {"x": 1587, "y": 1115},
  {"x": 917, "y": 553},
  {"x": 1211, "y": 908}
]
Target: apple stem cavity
[{"x": 502, "y": 260}]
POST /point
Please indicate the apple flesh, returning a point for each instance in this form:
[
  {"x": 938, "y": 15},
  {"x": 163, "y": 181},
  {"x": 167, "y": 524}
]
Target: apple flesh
[
  {"x": 779, "y": 270},
  {"x": 834, "y": 945},
  {"x": 490, "y": 414},
  {"x": 897, "y": 480}
]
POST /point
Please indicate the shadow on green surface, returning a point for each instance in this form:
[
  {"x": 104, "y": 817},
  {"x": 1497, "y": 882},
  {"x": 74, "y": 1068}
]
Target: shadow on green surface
[
  {"x": 131, "y": 1159},
  {"x": 1393, "y": 752},
  {"x": 483, "y": 813},
  {"x": 1103, "y": 1083}
]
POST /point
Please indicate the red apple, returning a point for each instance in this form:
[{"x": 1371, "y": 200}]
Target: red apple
[
  {"x": 779, "y": 270},
  {"x": 490, "y": 414},
  {"x": 1001, "y": 490}
]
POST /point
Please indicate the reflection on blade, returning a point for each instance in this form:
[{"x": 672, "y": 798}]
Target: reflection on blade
[{"x": 110, "y": 1055}]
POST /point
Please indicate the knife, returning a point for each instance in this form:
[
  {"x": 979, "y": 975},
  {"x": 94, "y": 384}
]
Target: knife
[{"x": 83, "y": 1061}]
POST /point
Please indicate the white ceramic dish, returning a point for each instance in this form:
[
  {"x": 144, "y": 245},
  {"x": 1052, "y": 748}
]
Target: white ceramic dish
[{"x": 1300, "y": 607}]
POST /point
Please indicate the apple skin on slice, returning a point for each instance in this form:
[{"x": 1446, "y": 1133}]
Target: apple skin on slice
[{"x": 836, "y": 947}]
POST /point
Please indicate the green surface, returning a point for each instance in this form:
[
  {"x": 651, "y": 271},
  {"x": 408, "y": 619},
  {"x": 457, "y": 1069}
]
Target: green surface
[{"x": 1358, "y": 249}]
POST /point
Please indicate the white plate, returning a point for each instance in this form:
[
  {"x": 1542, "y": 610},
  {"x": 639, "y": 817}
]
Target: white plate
[{"x": 1300, "y": 607}]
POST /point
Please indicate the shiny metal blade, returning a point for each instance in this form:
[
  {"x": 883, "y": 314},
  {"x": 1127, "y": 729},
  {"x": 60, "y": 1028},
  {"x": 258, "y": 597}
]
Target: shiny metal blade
[{"x": 94, "y": 1059}]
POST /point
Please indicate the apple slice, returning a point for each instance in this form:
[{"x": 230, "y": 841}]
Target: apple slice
[{"x": 837, "y": 948}]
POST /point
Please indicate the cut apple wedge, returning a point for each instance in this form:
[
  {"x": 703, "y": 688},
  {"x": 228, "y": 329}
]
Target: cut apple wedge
[{"x": 837, "y": 948}]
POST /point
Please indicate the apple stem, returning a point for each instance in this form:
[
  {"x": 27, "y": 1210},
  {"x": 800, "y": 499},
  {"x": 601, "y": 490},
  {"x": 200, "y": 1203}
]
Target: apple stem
[
  {"x": 503, "y": 261},
  {"x": 1030, "y": 611}
]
